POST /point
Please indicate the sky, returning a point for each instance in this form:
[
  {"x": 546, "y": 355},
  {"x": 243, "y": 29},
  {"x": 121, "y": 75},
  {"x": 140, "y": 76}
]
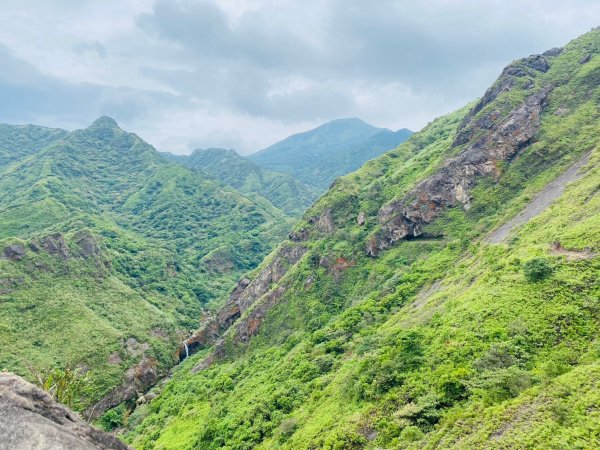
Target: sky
[{"x": 243, "y": 74}]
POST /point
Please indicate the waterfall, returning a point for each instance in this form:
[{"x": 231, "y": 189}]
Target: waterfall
[{"x": 187, "y": 350}]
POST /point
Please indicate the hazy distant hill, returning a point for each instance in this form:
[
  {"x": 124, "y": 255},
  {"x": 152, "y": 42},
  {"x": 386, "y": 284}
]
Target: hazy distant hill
[{"x": 318, "y": 156}]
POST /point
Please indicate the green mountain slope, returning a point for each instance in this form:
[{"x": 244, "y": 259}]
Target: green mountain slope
[
  {"x": 393, "y": 319},
  {"x": 227, "y": 166},
  {"x": 109, "y": 254},
  {"x": 318, "y": 156},
  {"x": 19, "y": 141}
]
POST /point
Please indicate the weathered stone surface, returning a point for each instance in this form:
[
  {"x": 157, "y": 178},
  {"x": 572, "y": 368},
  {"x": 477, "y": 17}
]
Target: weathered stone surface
[
  {"x": 300, "y": 235},
  {"x": 31, "y": 419},
  {"x": 14, "y": 252},
  {"x": 137, "y": 379},
  {"x": 529, "y": 66},
  {"x": 451, "y": 185},
  {"x": 88, "y": 244},
  {"x": 114, "y": 358},
  {"x": 553, "y": 51},
  {"x": 245, "y": 294},
  {"x": 135, "y": 348},
  {"x": 56, "y": 245},
  {"x": 323, "y": 222},
  {"x": 360, "y": 220}
]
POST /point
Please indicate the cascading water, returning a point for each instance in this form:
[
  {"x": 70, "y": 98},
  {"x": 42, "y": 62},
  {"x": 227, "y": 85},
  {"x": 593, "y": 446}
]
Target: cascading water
[{"x": 187, "y": 350}]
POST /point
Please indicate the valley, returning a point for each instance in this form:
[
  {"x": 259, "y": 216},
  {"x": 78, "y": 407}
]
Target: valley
[{"x": 346, "y": 287}]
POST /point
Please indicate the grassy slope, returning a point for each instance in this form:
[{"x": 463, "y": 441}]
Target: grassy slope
[
  {"x": 436, "y": 343},
  {"x": 168, "y": 240}
]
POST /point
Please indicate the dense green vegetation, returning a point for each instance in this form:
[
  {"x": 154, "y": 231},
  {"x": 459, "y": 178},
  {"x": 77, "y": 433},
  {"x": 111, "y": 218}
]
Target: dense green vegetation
[
  {"x": 283, "y": 191},
  {"x": 319, "y": 156},
  {"x": 442, "y": 341},
  {"x": 109, "y": 254}
]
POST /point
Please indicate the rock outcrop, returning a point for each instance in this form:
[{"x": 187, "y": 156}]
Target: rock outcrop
[
  {"x": 245, "y": 294},
  {"x": 248, "y": 303},
  {"x": 500, "y": 140},
  {"x": 55, "y": 245},
  {"x": 14, "y": 252},
  {"x": 30, "y": 418},
  {"x": 137, "y": 379},
  {"x": 88, "y": 245}
]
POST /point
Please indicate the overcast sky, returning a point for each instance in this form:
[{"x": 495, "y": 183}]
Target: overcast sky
[{"x": 242, "y": 74}]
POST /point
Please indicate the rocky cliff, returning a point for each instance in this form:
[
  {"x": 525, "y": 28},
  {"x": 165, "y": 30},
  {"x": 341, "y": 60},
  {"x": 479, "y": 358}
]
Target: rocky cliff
[{"x": 31, "y": 419}]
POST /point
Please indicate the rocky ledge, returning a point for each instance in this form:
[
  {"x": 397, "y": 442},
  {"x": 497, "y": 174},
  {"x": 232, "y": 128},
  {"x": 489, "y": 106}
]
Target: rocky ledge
[
  {"x": 30, "y": 418},
  {"x": 499, "y": 140},
  {"x": 248, "y": 303}
]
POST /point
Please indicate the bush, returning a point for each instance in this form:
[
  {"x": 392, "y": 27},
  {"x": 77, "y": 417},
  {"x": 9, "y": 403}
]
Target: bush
[
  {"x": 113, "y": 418},
  {"x": 411, "y": 434},
  {"x": 537, "y": 269}
]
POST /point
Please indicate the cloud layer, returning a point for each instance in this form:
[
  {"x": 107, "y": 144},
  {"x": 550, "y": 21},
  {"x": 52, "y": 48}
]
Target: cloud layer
[{"x": 245, "y": 73}]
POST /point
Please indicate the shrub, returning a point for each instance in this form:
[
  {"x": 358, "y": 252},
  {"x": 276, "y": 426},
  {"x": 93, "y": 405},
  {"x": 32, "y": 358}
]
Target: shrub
[
  {"x": 537, "y": 269},
  {"x": 411, "y": 434}
]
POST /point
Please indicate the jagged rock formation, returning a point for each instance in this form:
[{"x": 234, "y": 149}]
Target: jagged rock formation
[
  {"x": 245, "y": 299},
  {"x": 500, "y": 140},
  {"x": 135, "y": 380},
  {"x": 30, "y": 418}
]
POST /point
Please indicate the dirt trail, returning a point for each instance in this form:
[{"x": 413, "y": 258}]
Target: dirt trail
[{"x": 542, "y": 200}]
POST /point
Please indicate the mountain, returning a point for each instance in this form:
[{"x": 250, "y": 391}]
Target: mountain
[
  {"x": 109, "y": 255},
  {"x": 445, "y": 295},
  {"x": 227, "y": 166},
  {"x": 19, "y": 141},
  {"x": 318, "y": 156}
]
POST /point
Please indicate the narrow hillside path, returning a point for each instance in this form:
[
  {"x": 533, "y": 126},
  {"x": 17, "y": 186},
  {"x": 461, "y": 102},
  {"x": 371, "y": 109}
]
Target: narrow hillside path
[{"x": 542, "y": 200}]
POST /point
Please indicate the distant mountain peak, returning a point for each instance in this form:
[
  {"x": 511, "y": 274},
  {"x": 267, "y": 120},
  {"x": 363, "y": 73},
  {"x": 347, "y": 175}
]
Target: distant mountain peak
[{"x": 104, "y": 122}]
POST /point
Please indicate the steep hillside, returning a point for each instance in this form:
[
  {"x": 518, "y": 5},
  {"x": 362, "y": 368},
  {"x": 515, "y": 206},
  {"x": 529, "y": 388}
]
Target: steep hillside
[
  {"x": 19, "y": 141},
  {"x": 227, "y": 166},
  {"x": 109, "y": 254},
  {"x": 318, "y": 156},
  {"x": 395, "y": 317}
]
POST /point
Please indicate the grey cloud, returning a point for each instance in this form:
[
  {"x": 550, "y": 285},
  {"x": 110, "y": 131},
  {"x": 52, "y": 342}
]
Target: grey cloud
[
  {"x": 273, "y": 67},
  {"x": 96, "y": 48},
  {"x": 448, "y": 49},
  {"x": 26, "y": 94}
]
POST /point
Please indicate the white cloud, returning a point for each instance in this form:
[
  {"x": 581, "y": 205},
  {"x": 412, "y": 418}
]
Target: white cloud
[{"x": 245, "y": 73}]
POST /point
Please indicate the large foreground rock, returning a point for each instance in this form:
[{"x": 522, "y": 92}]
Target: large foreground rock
[{"x": 31, "y": 419}]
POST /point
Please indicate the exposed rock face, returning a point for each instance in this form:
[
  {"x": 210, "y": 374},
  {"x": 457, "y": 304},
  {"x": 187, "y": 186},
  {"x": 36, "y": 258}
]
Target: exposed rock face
[
  {"x": 30, "y": 418},
  {"x": 245, "y": 294},
  {"x": 299, "y": 235},
  {"x": 360, "y": 220},
  {"x": 14, "y": 252},
  {"x": 553, "y": 51},
  {"x": 56, "y": 245},
  {"x": 135, "y": 348},
  {"x": 521, "y": 68},
  {"x": 450, "y": 186},
  {"x": 88, "y": 244},
  {"x": 323, "y": 222},
  {"x": 137, "y": 379}
]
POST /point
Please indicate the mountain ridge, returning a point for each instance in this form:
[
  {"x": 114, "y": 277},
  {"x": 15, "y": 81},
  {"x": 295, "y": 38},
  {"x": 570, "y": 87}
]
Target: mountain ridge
[
  {"x": 318, "y": 156},
  {"x": 109, "y": 255},
  {"x": 439, "y": 339}
]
